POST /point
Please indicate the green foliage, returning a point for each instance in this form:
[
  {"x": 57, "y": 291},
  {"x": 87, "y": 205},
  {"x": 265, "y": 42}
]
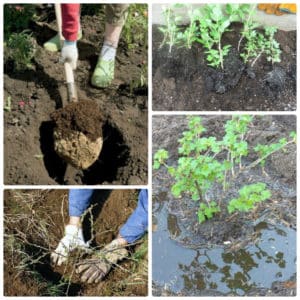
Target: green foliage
[
  {"x": 205, "y": 162},
  {"x": 171, "y": 30},
  {"x": 17, "y": 18},
  {"x": 207, "y": 211},
  {"x": 21, "y": 49},
  {"x": 249, "y": 195},
  {"x": 7, "y": 106},
  {"x": 159, "y": 158},
  {"x": 265, "y": 150},
  {"x": 190, "y": 34},
  {"x": 213, "y": 24},
  {"x": 135, "y": 29},
  {"x": 258, "y": 43},
  {"x": 208, "y": 25}
]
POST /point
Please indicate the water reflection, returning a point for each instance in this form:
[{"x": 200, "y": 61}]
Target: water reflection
[{"x": 269, "y": 258}]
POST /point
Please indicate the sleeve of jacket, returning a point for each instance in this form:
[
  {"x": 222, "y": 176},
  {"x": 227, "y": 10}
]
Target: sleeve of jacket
[
  {"x": 70, "y": 21},
  {"x": 137, "y": 223},
  {"x": 79, "y": 200}
]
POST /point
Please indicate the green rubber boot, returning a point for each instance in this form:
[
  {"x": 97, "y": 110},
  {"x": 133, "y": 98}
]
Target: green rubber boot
[
  {"x": 54, "y": 45},
  {"x": 104, "y": 73}
]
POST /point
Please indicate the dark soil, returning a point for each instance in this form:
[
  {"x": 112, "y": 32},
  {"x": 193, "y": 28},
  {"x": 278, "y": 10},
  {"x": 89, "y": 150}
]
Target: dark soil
[
  {"x": 83, "y": 116},
  {"x": 35, "y": 93},
  {"x": 34, "y": 224},
  {"x": 183, "y": 81},
  {"x": 238, "y": 230}
]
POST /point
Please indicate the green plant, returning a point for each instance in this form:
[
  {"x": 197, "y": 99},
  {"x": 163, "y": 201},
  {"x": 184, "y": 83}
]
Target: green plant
[
  {"x": 7, "y": 106},
  {"x": 190, "y": 34},
  {"x": 21, "y": 49},
  {"x": 17, "y": 18},
  {"x": 258, "y": 43},
  {"x": 213, "y": 24},
  {"x": 272, "y": 49},
  {"x": 205, "y": 162},
  {"x": 171, "y": 29},
  {"x": 135, "y": 29},
  {"x": 249, "y": 195}
]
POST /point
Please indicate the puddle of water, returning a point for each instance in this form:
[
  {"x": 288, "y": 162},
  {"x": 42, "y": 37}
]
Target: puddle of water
[{"x": 271, "y": 258}]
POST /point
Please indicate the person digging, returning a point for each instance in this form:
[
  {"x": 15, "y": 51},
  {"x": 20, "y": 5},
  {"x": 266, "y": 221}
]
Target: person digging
[
  {"x": 95, "y": 269},
  {"x": 116, "y": 15}
]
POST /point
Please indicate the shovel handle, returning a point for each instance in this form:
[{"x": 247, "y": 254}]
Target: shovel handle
[{"x": 72, "y": 94}]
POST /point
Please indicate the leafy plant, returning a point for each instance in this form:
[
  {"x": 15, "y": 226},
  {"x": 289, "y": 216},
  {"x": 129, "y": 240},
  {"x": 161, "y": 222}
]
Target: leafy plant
[
  {"x": 205, "y": 162},
  {"x": 170, "y": 31},
  {"x": 17, "y": 18},
  {"x": 206, "y": 212},
  {"x": 21, "y": 49},
  {"x": 272, "y": 49},
  {"x": 249, "y": 195},
  {"x": 190, "y": 34},
  {"x": 213, "y": 24},
  {"x": 135, "y": 29}
]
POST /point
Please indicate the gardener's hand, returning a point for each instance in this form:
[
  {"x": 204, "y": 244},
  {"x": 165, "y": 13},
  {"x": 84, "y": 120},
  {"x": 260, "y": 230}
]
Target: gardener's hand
[
  {"x": 95, "y": 269},
  {"x": 69, "y": 53},
  {"x": 72, "y": 240}
]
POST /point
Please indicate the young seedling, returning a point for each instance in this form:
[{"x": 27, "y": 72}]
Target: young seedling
[
  {"x": 272, "y": 49},
  {"x": 170, "y": 30},
  {"x": 190, "y": 35},
  {"x": 205, "y": 162},
  {"x": 213, "y": 24}
]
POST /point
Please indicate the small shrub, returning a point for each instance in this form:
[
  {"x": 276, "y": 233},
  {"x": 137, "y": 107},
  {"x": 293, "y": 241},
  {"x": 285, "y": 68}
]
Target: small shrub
[
  {"x": 205, "y": 162},
  {"x": 21, "y": 49}
]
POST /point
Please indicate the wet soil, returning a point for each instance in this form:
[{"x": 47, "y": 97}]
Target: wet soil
[
  {"x": 183, "y": 81},
  {"x": 270, "y": 225},
  {"x": 34, "y": 223},
  {"x": 36, "y": 93}
]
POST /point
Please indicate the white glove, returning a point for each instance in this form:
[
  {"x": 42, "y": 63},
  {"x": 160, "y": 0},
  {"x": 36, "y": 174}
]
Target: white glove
[
  {"x": 72, "y": 240},
  {"x": 69, "y": 53}
]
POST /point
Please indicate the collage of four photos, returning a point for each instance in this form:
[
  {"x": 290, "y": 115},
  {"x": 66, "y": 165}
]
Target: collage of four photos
[{"x": 149, "y": 149}]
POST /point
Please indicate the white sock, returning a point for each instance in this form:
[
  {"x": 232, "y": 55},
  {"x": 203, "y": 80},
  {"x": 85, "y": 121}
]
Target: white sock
[{"x": 108, "y": 52}]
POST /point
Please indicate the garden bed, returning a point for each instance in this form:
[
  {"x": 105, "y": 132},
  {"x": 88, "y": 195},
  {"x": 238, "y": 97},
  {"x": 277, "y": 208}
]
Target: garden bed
[
  {"x": 34, "y": 223},
  {"x": 36, "y": 92},
  {"x": 226, "y": 254},
  {"x": 183, "y": 81}
]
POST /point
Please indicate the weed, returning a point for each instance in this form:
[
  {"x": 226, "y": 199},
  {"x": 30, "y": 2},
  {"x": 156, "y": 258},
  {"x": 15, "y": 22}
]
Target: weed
[
  {"x": 135, "y": 29},
  {"x": 206, "y": 161},
  {"x": 7, "y": 106},
  {"x": 17, "y": 18},
  {"x": 21, "y": 49}
]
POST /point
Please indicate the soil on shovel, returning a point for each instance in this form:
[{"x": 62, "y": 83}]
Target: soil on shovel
[
  {"x": 182, "y": 80},
  {"x": 35, "y": 93},
  {"x": 228, "y": 255},
  {"x": 34, "y": 224},
  {"x": 83, "y": 116}
]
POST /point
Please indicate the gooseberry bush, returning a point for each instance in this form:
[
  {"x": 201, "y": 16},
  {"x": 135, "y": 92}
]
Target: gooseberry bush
[
  {"x": 207, "y": 26},
  {"x": 205, "y": 161}
]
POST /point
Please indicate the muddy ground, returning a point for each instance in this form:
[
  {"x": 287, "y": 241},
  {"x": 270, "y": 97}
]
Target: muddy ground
[
  {"x": 35, "y": 93},
  {"x": 183, "y": 81},
  {"x": 238, "y": 235},
  {"x": 33, "y": 225}
]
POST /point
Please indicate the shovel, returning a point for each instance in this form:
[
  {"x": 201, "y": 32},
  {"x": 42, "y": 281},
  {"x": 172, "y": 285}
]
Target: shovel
[{"x": 76, "y": 149}]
